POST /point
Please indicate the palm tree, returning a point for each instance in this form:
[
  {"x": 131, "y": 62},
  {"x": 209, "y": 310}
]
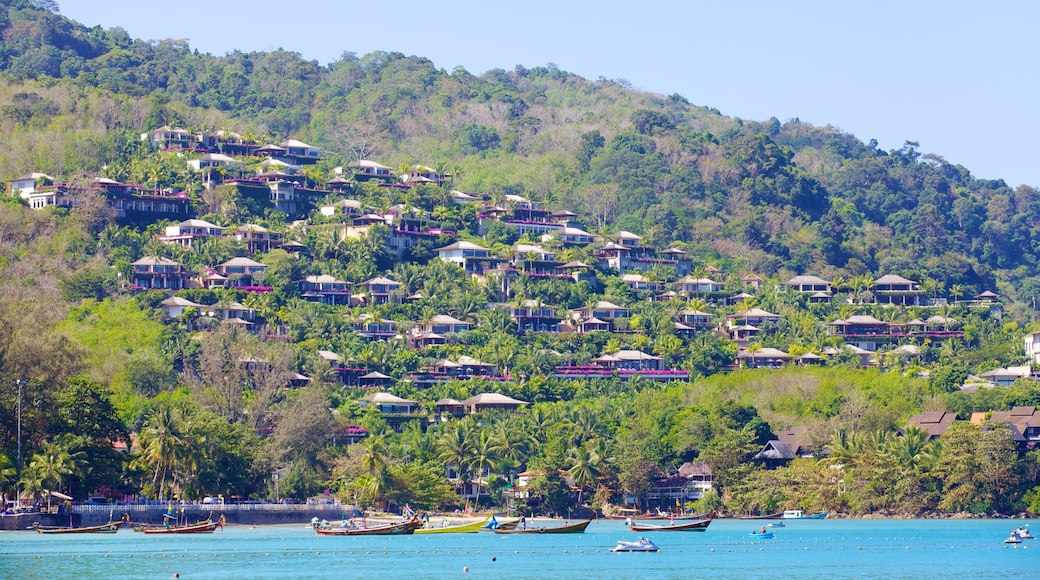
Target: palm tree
[
  {"x": 844, "y": 448},
  {"x": 752, "y": 349},
  {"x": 162, "y": 443},
  {"x": 584, "y": 467},
  {"x": 56, "y": 461},
  {"x": 454, "y": 448},
  {"x": 511, "y": 443},
  {"x": 483, "y": 455},
  {"x": 931, "y": 287},
  {"x": 456, "y": 172},
  {"x": 7, "y": 471},
  {"x": 32, "y": 482},
  {"x": 374, "y": 467},
  {"x": 587, "y": 420},
  {"x": 910, "y": 450}
]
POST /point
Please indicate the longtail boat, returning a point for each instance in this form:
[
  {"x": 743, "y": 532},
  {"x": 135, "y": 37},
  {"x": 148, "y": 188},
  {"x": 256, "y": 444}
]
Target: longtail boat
[
  {"x": 509, "y": 525},
  {"x": 402, "y": 528},
  {"x": 471, "y": 527},
  {"x": 110, "y": 528},
  {"x": 206, "y": 526},
  {"x": 578, "y": 528},
  {"x": 694, "y": 526},
  {"x": 634, "y": 515}
]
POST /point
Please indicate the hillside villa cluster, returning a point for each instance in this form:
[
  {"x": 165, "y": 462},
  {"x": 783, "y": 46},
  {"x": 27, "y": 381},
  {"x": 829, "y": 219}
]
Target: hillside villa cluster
[
  {"x": 221, "y": 154},
  {"x": 275, "y": 172}
]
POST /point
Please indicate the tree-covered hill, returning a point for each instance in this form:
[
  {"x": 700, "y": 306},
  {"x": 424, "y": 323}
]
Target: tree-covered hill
[
  {"x": 223, "y": 373},
  {"x": 758, "y": 196}
]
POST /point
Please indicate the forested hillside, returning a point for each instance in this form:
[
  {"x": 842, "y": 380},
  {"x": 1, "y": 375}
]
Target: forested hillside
[{"x": 203, "y": 407}]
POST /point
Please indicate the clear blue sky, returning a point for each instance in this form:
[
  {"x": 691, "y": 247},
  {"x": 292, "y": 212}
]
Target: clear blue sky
[{"x": 959, "y": 77}]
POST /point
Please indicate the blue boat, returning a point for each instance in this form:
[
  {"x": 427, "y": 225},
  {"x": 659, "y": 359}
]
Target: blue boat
[{"x": 760, "y": 535}]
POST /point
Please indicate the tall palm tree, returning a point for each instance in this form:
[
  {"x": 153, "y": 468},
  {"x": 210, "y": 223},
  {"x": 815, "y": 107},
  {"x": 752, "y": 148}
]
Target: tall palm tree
[
  {"x": 162, "y": 445},
  {"x": 512, "y": 443},
  {"x": 374, "y": 467},
  {"x": 483, "y": 455},
  {"x": 584, "y": 467},
  {"x": 455, "y": 448}
]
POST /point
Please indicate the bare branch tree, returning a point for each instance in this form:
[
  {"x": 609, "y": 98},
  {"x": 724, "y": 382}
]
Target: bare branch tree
[{"x": 359, "y": 140}]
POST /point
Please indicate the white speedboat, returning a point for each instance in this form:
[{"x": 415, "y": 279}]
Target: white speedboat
[
  {"x": 640, "y": 545},
  {"x": 1013, "y": 539}
]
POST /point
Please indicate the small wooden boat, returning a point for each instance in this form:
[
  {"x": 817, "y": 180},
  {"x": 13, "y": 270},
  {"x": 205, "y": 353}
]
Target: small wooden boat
[
  {"x": 578, "y": 528},
  {"x": 633, "y": 515},
  {"x": 470, "y": 528},
  {"x": 109, "y": 528},
  {"x": 204, "y": 527},
  {"x": 402, "y": 528},
  {"x": 686, "y": 526},
  {"x": 506, "y": 525}
]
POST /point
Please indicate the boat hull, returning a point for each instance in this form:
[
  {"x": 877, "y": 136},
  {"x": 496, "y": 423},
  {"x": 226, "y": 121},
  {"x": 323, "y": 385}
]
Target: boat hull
[
  {"x": 578, "y": 528},
  {"x": 470, "y": 528},
  {"x": 109, "y": 528},
  {"x": 403, "y": 528},
  {"x": 199, "y": 528},
  {"x": 695, "y": 526}
]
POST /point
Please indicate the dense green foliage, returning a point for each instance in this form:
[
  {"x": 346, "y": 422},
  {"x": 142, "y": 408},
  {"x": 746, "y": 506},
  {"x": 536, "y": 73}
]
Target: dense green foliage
[{"x": 102, "y": 366}]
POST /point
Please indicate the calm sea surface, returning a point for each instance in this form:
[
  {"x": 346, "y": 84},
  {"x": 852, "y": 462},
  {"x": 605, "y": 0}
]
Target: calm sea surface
[{"x": 803, "y": 549}]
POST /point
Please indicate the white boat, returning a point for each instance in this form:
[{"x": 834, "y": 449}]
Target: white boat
[
  {"x": 1013, "y": 539},
  {"x": 640, "y": 545},
  {"x": 1023, "y": 533},
  {"x": 776, "y": 525},
  {"x": 801, "y": 515}
]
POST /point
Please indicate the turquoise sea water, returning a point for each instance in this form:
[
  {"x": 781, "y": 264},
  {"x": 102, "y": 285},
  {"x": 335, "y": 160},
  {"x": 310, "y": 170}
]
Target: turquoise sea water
[{"x": 803, "y": 549}]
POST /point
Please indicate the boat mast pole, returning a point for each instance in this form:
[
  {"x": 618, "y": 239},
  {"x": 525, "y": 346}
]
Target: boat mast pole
[{"x": 17, "y": 490}]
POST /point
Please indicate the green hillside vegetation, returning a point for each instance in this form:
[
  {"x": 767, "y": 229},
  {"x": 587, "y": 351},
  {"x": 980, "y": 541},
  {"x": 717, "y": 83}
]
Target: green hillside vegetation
[{"x": 205, "y": 408}]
